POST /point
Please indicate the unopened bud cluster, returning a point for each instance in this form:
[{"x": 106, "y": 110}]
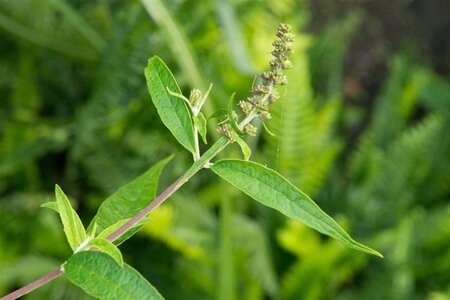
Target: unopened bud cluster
[
  {"x": 196, "y": 97},
  {"x": 264, "y": 94}
]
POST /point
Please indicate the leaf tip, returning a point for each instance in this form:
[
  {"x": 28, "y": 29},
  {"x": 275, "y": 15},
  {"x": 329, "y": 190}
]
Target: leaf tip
[{"x": 376, "y": 253}]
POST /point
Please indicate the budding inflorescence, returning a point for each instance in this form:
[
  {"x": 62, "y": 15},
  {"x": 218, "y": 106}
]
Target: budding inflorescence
[
  {"x": 264, "y": 94},
  {"x": 196, "y": 97}
]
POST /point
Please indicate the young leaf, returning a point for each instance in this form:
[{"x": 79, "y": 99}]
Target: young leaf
[
  {"x": 218, "y": 114},
  {"x": 108, "y": 248},
  {"x": 181, "y": 96},
  {"x": 230, "y": 116},
  {"x": 110, "y": 229},
  {"x": 173, "y": 111},
  {"x": 73, "y": 228},
  {"x": 200, "y": 123},
  {"x": 100, "y": 276},
  {"x": 52, "y": 205},
  {"x": 271, "y": 189},
  {"x": 246, "y": 151},
  {"x": 267, "y": 129},
  {"x": 130, "y": 198}
]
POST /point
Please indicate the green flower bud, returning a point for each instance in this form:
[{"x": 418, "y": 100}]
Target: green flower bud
[
  {"x": 273, "y": 97},
  {"x": 265, "y": 93},
  {"x": 246, "y": 106},
  {"x": 195, "y": 97},
  {"x": 265, "y": 115},
  {"x": 262, "y": 104},
  {"x": 235, "y": 116},
  {"x": 226, "y": 130},
  {"x": 287, "y": 64},
  {"x": 261, "y": 90},
  {"x": 250, "y": 129}
]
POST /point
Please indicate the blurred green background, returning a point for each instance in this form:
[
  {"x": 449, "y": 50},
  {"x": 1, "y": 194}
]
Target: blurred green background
[{"x": 363, "y": 128}]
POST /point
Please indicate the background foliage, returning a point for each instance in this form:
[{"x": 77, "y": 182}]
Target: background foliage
[{"x": 362, "y": 128}]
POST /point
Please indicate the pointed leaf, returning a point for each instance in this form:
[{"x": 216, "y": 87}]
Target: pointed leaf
[
  {"x": 109, "y": 230},
  {"x": 172, "y": 110},
  {"x": 230, "y": 116},
  {"x": 200, "y": 123},
  {"x": 100, "y": 276},
  {"x": 126, "y": 235},
  {"x": 93, "y": 230},
  {"x": 271, "y": 189},
  {"x": 246, "y": 151},
  {"x": 181, "y": 96},
  {"x": 218, "y": 114},
  {"x": 267, "y": 129},
  {"x": 52, "y": 205},
  {"x": 73, "y": 228},
  {"x": 108, "y": 248},
  {"x": 130, "y": 198}
]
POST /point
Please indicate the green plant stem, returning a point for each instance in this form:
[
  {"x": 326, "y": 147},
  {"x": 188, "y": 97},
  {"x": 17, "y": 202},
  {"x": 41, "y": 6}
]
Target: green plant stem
[
  {"x": 253, "y": 114},
  {"x": 34, "y": 285},
  {"x": 197, "y": 147}
]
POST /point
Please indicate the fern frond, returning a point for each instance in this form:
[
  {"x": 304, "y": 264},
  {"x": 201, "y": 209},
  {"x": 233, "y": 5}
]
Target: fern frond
[
  {"x": 321, "y": 268},
  {"x": 118, "y": 83},
  {"x": 432, "y": 241},
  {"x": 303, "y": 144},
  {"x": 397, "y": 180},
  {"x": 250, "y": 236},
  {"x": 327, "y": 54},
  {"x": 394, "y": 107}
]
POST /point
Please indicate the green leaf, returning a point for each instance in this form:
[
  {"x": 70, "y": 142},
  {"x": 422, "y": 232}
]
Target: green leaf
[
  {"x": 218, "y": 114},
  {"x": 125, "y": 236},
  {"x": 109, "y": 230},
  {"x": 52, "y": 205},
  {"x": 108, "y": 248},
  {"x": 173, "y": 111},
  {"x": 246, "y": 151},
  {"x": 73, "y": 228},
  {"x": 181, "y": 96},
  {"x": 200, "y": 123},
  {"x": 272, "y": 189},
  {"x": 100, "y": 276},
  {"x": 93, "y": 230},
  {"x": 130, "y": 198},
  {"x": 267, "y": 129},
  {"x": 230, "y": 116}
]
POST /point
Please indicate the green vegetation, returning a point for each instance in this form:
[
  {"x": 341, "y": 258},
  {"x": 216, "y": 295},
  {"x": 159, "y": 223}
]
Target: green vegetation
[{"x": 373, "y": 151}]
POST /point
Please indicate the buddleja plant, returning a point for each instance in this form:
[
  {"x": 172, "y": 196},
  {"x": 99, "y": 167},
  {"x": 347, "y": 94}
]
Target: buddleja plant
[{"x": 97, "y": 265}]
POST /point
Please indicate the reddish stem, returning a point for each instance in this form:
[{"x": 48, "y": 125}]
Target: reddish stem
[
  {"x": 145, "y": 211},
  {"x": 121, "y": 230},
  {"x": 207, "y": 156},
  {"x": 35, "y": 284}
]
